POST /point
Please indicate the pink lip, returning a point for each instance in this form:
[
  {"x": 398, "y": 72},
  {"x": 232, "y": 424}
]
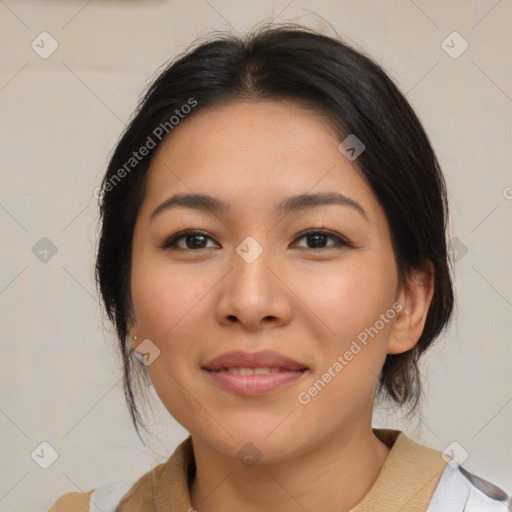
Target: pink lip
[
  {"x": 262, "y": 359},
  {"x": 255, "y": 384}
]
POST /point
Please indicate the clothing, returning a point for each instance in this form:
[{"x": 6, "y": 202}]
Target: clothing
[{"x": 414, "y": 478}]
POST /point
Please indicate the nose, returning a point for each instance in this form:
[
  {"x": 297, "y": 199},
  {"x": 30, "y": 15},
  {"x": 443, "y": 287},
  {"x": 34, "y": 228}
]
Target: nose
[{"x": 254, "y": 293}]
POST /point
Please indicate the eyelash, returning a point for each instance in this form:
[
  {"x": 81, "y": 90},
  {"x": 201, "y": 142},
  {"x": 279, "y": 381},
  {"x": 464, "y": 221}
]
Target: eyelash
[{"x": 170, "y": 243}]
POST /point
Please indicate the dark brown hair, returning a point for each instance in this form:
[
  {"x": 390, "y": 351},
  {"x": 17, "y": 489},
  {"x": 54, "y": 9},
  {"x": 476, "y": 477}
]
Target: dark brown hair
[{"x": 289, "y": 62}]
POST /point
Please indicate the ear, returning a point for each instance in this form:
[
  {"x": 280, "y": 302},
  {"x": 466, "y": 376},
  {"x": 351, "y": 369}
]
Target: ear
[{"x": 415, "y": 298}]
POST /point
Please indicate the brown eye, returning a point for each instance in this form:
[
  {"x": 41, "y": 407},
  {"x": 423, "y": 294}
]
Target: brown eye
[
  {"x": 318, "y": 239},
  {"x": 187, "y": 240}
]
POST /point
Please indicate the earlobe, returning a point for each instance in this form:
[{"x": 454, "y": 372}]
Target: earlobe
[
  {"x": 415, "y": 301},
  {"x": 134, "y": 338}
]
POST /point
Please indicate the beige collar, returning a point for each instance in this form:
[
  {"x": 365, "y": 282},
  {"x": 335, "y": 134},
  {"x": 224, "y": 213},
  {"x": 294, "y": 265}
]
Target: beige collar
[{"x": 406, "y": 481}]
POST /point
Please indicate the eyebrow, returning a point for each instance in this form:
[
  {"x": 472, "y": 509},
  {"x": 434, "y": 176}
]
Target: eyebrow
[{"x": 287, "y": 205}]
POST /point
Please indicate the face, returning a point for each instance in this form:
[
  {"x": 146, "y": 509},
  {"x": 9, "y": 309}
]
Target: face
[{"x": 316, "y": 282}]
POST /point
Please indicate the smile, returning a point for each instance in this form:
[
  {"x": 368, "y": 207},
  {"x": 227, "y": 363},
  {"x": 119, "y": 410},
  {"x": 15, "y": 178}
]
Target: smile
[{"x": 253, "y": 381}]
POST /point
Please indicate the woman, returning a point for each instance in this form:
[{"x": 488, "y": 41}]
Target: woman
[{"x": 273, "y": 254}]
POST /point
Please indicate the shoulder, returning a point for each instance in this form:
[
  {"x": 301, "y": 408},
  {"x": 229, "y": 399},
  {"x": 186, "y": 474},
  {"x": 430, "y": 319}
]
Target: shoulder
[
  {"x": 164, "y": 483},
  {"x": 106, "y": 497},
  {"x": 444, "y": 485},
  {"x": 75, "y": 501},
  {"x": 460, "y": 490}
]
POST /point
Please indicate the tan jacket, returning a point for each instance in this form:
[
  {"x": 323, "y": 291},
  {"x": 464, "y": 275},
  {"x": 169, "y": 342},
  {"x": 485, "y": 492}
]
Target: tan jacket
[{"x": 406, "y": 482}]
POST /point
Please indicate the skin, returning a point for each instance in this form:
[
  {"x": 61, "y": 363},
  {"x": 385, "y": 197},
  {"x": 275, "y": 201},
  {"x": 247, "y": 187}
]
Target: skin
[{"x": 305, "y": 302}]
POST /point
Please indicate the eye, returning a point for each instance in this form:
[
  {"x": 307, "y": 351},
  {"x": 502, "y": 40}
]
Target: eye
[
  {"x": 318, "y": 238},
  {"x": 192, "y": 238}
]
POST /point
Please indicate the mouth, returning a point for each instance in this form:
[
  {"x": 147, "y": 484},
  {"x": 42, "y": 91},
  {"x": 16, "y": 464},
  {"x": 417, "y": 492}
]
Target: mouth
[
  {"x": 253, "y": 374},
  {"x": 253, "y": 371}
]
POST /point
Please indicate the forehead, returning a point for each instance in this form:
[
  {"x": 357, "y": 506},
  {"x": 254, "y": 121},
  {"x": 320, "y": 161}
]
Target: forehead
[{"x": 252, "y": 152}]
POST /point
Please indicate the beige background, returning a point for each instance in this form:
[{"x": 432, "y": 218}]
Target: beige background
[{"x": 60, "y": 118}]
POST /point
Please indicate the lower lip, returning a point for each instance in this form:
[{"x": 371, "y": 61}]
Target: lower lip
[{"x": 255, "y": 384}]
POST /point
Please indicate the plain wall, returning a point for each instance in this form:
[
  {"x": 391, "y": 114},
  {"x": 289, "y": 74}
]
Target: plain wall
[{"x": 60, "y": 119}]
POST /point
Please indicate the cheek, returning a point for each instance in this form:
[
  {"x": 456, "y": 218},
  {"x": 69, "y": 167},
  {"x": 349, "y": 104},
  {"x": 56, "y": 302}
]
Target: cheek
[
  {"x": 350, "y": 305},
  {"x": 348, "y": 298},
  {"x": 164, "y": 298},
  {"x": 168, "y": 307}
]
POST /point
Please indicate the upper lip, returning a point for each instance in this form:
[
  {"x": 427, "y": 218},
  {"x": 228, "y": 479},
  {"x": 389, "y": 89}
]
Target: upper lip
[{"x": 262, "y": 359}]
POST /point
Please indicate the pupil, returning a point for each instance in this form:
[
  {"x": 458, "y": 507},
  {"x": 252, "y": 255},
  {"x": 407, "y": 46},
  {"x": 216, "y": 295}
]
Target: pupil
[
  {"x": 193, "y": 244},
  {"x": 316, "y": 240}
]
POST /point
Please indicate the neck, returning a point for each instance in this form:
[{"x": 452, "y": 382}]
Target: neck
[{"x": 333, "y": 476}]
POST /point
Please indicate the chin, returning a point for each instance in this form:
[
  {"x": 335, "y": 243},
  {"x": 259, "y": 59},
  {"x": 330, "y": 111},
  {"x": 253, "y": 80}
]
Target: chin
[{"x": 256, "y": 443}]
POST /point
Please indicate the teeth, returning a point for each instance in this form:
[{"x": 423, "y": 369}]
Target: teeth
[{"x": 250, "y": 371}]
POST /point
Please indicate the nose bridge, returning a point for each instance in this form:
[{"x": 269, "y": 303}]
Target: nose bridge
[
  {"x": 252, "y": 292},
  {"x": 251, "y": 275}
]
